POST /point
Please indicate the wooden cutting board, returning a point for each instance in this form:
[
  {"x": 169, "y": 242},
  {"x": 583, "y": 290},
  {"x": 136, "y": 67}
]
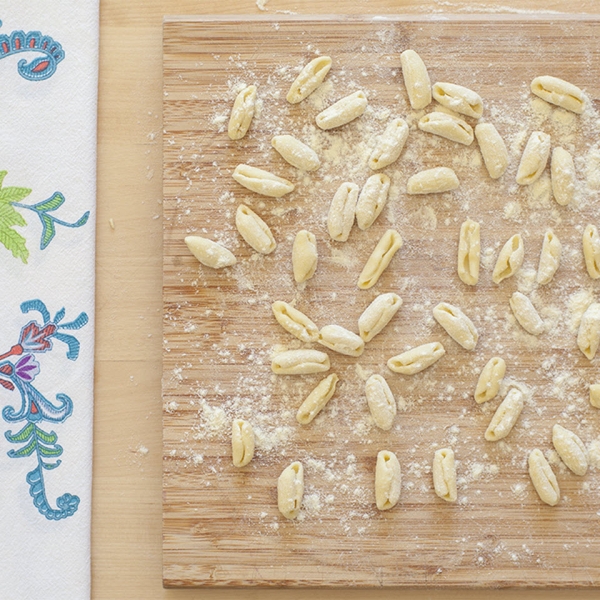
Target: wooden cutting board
[{"x": 221, "y": 524}]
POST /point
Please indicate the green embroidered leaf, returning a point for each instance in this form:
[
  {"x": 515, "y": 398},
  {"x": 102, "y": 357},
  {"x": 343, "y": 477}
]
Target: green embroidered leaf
[
  {"x": 2, "y": 176},
  {"x": 9, "y": 238},
  {"x": 13, "y": 194},
  {"x": 49, "y": 438},
  {"x": 22, "y": 436},
  {"x": 48, "y": 231},
  {"x": 56, "y": 201},
  {"x": 45, "y": 451},
  {"x": 50, "y": 466},
  {"x": 25, "y": 451}
]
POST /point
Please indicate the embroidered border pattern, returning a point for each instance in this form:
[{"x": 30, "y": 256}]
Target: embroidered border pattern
[
  {"x": 39, "y": 68},
  {"x": 35, "y": 408}
]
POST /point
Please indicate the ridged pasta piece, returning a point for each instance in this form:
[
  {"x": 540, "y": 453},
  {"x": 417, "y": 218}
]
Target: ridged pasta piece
[
  {"x": 290, "y": 490},
  {"x": 381, "y": 401},
  {"x": 591, "y": 251},
  {"x": 493, "y": 149},
  {"x": 549, "y": 258},
  {"x": 342, "y": 211},
  {"x": 416, "y": 79},
  {"x": 595, "y": 395},
  {"x": 300, "y": 362},
  {"x": 388, "y": 480},
  {"x": 254, "y": 230},
  {"x": 560, "y": 92},
  {"x": 416, "y": 359},
  {"x": 457, "y": 325},
  {"x": 380, "y": 258},
  {"x": 242, "y": 443},
  {"x": 389, "y": 145},
  {"x": 571, "y": 449},
  {"x": 309, "y": 79},
  {"x": 526, "y": 314},
  {"x": 262, "y": 182},
  {"x": 588, "y": 336},
  {"x": 509, "y": 260},
  {"x": 444, "y": 474},
  {"x": 447, "y": 126},
  {"x": 378, "y": 314},
  {"x": 316, "y": 401},
  {"x": 342, "y": 340},
  {"x": 543, "y": 478},
  {"x": 432, "y": 181},
  {"x": 343, "y": 111},
  {"x": 534, "y": 158},
  {"x": 209, "y": 253},
  {"x": 295, "y": 152},
  {"x": 469, "y": 252},
  {"x": 562, "y": 170},
  {"x": 305, "y": 256},
  {"x": 506, "y": 416},
  {"x": 490, "y": 379},
  {"x": 458, "y": 98},
  {"x": 295, "y": 322},
  {"x": 372, "y": 200},
  {"x": 242, "y": 113}
]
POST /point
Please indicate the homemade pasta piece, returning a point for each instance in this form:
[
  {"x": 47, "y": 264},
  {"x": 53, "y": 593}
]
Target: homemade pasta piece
[
  {"x": 254, "y": 230},
  {"x": 490, "y": 380},
  {"x": 416, "y": 359},
  {"x": 509, "y": 260},
  {"x": 526, "y": 314},
  {"x": 341, "y": 340},
  {"x": 506, "y": 416},
  {"x": 380, "y": 258},
  {"x": 458, "y": 98},
  {"x": 591, "y": 251},
  {"x": 242, "y": 443},
  {"x": 389, "y": 145},
  {"x": 432, "y": 181},
  {"x": 562, "y": 171},
  {"x": 209, "y": 253},
  {"x": 559, "y": 92},
  {"x": 571, "y": 449},
  {"x": 295, "y": 152},
  {"x": 381, "y": 401},
  {"x": 290, "y": 490},
  {"x": 444, "y": 474},
  {"x": 469, "y": 252},
  {"x": 242, "y": 113},
  {"x": 447, "y": 126},
  {"x": 534, "y": 158},
  {"x": 304, "y": 256},
  {"x": 300, "y": 362},
  {"x": 543, "y": 478},
  {"x": 493, "y": 149},
  {"x": 457, "y": 325},
  {"x": 315, "y": 402},
  {"x": 372, "y": 199},
  {"x": 549, "y": 258},
  {"x": 309, "y": 79},
  {"x": 342, "y": 211},
  {"x": 388, "y": 480},
  {"x": 588, "y": 336},
  {"x": 416, "y": 79},
  {"x": 262, "y": 182},
  {"x": 378, "y": 314},
  {"x": 343, "y": 111},
  {"x": 595, "y": 395},
  {"x": 295, "y": 322}
]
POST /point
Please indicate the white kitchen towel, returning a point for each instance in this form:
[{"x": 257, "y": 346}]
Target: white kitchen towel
[{"x": 48, "y": 108}]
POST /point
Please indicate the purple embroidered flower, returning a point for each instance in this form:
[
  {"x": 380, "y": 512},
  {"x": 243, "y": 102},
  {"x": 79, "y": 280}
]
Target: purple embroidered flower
[{"x": 27, "y": 368}]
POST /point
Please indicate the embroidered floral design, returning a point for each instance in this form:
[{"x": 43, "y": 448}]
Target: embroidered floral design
[
  {"x": 35, "y": 408},
  {"x": 39, "y": 68},
  {"x": 10, "y": 201}
]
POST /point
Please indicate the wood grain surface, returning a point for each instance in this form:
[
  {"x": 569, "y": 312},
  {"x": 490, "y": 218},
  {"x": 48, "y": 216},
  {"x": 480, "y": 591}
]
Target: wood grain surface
[{"x": 221, "y": 525}]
